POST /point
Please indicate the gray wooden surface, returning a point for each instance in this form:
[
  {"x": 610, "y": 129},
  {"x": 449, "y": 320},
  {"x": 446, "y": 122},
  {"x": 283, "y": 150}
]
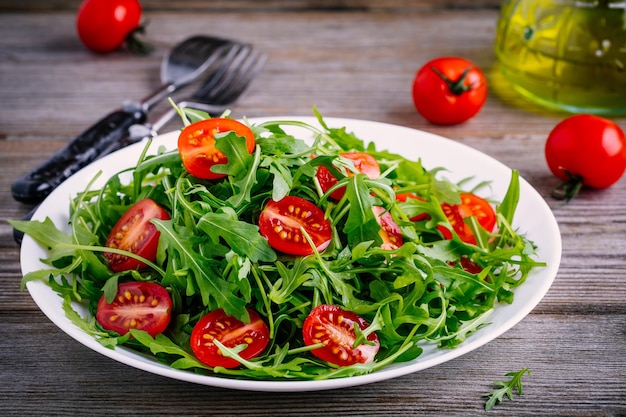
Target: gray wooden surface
[{"x": 356, "y": 63}]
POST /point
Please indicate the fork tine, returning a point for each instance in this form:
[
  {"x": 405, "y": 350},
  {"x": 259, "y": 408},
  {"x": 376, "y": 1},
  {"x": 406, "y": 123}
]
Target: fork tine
[
  {"x": 226, "y": 85},
  {"x": 242, "y": 78}
]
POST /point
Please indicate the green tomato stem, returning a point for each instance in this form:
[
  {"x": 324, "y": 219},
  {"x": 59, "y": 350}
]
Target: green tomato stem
[{"x": 457, "y": 87}]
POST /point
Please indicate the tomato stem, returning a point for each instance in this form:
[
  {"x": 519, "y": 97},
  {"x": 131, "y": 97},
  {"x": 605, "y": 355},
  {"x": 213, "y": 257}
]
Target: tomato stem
[
  {"x": 457, "y": 87},
  {"x": 567, "y": 190},
  {"x": 136, "y": 45}
]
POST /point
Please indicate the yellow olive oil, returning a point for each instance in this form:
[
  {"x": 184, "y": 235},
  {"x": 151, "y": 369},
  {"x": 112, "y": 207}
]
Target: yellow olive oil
[{"x": 565, "y": 54}]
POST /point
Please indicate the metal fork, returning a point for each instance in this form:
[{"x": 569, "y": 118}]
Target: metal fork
[{"x": 229, "y": 78}]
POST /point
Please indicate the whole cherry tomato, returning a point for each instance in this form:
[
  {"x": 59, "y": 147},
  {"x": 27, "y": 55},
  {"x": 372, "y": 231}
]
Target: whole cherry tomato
[
  {"x": 449, "y": 90},
  {"x": 105, "y": 25},
  {"x": 585, "y": 150}
]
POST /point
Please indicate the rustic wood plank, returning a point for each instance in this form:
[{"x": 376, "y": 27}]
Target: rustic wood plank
[
  {"x": 357, "y": 64},
  {"x": 243, "y": 6}
]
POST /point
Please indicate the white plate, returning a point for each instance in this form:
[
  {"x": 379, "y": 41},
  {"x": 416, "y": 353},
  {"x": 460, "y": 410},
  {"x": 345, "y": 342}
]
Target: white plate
[{"x": 533, "y": 218}]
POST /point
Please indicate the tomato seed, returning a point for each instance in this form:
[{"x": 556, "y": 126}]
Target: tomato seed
[
  {"x": 114, "y": 317},
  {"x": 128, "y": 295},
  {"x": 154, "y": 302}
]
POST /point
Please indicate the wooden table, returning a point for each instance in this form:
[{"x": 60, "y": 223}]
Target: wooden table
[{"x": 354, "y": 62}]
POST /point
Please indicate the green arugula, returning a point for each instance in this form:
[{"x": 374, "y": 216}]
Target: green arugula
[
  {"x": 505, "y": 388},
  {"x": 211, "y": 254}
]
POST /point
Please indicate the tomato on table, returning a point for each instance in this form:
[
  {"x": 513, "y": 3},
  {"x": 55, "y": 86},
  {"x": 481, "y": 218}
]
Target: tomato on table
[
  {"x": 333, "y": 327},
  {"x": 231, "y": 332},
  {"x": 389, "y": 231},
  {"x": 105, "y": 25},
  {"x": 471, "y": 205},
  {"x": 449, "y": 90},
  {"x": 363, "y": 162},
  {"x": 196, "y": 145},
  {"x": 134, "y": 233},
  {"x": 137, "y": 305},
  {"x": 585, "y": 150},
  {"x": 281, "y": 221}
]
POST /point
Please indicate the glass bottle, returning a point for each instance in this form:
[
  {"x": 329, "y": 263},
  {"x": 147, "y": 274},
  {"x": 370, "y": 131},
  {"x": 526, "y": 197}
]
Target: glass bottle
[{"x": 565, "y": 54}]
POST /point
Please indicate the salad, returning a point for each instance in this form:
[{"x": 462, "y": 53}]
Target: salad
[{"x": 252, "y": 252}]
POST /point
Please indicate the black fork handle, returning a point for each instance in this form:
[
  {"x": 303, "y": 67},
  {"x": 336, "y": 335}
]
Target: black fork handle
[{"x": 35, "y": 186}]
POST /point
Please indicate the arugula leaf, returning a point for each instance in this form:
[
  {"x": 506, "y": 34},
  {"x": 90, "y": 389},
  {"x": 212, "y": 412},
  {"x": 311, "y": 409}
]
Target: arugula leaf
[
  {"x": 206, "y": 279},
  {"x": 211, "y": 254},
  {"x": 506, "y": 388},
  {"x": 361, "y": 225},
  {"x": 242, "y": 237}
]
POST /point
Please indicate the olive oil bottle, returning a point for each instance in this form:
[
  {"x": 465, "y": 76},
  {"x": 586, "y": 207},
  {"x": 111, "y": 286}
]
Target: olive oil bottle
[{"x": 565, "y": 54}]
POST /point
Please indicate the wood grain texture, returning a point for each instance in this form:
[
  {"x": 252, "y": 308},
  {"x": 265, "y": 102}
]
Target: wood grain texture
[{"x": 357, "y": 64}]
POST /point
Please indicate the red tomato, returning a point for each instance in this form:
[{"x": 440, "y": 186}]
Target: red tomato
[
  {"x": 468, "y": 265},
  {"x": 449, "y": 90},
  {"x": 230, "y": 332},
  {"x": 104, "y": 25},
  {"x": 134, "y": 233},
  {"x": 402, "y": 197},
  {"x": 138, "y": 305},
  {"x": 334, "y": 328},
  {"x": 196, "y": 145},
  {"x": 363, "y": 162},
  {"x": 390, "y": 232},
  {"x": 471, "y": 205},
  {"x": 280, "y": 223},
  {"x": 588, "y": 150}
]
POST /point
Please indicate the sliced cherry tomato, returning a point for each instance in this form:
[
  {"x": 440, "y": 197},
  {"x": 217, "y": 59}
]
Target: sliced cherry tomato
[
  {"x": 449, "y": 90},
  {"x": 586, "y": 150},
  {"x": 334, "y": 328},
  {"x": 134, "y": 233},
  {"x": 280, "y": 223},
  {"x": 105, "y": 25},
  {"x": 138, "y": 305},
  {"x": 363, "y": 162},
  {"x": 468, "y": 265},
  {"x": 390, "y": 232},
  {"x": 196, "y": 145},
  {"x": 403, "y": 197},
  {"x": 471, "y": 205},
  {"x": 230, "y": 332}
]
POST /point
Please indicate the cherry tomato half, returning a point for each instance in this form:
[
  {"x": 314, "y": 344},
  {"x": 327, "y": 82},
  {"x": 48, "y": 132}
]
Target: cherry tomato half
[
  {"x": 334, "y": 328},
  {"x": 196, "y": 145},
  {"x": 390, "y": 232},
  {"x": 363, "y": 162},
  {"x": 138, "y": 305},
  {"x": 403, "y": 197},
  {"x": 587, "y": 150},
  {"x": 449, "y": 90},
  {"x": 471, "y": 205},
  {"x": 280, "y": 223},
  {"x": 104, "y": 25},
  {"x": 230, "y": 332},
  {"x": 134, "y": 233}
]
